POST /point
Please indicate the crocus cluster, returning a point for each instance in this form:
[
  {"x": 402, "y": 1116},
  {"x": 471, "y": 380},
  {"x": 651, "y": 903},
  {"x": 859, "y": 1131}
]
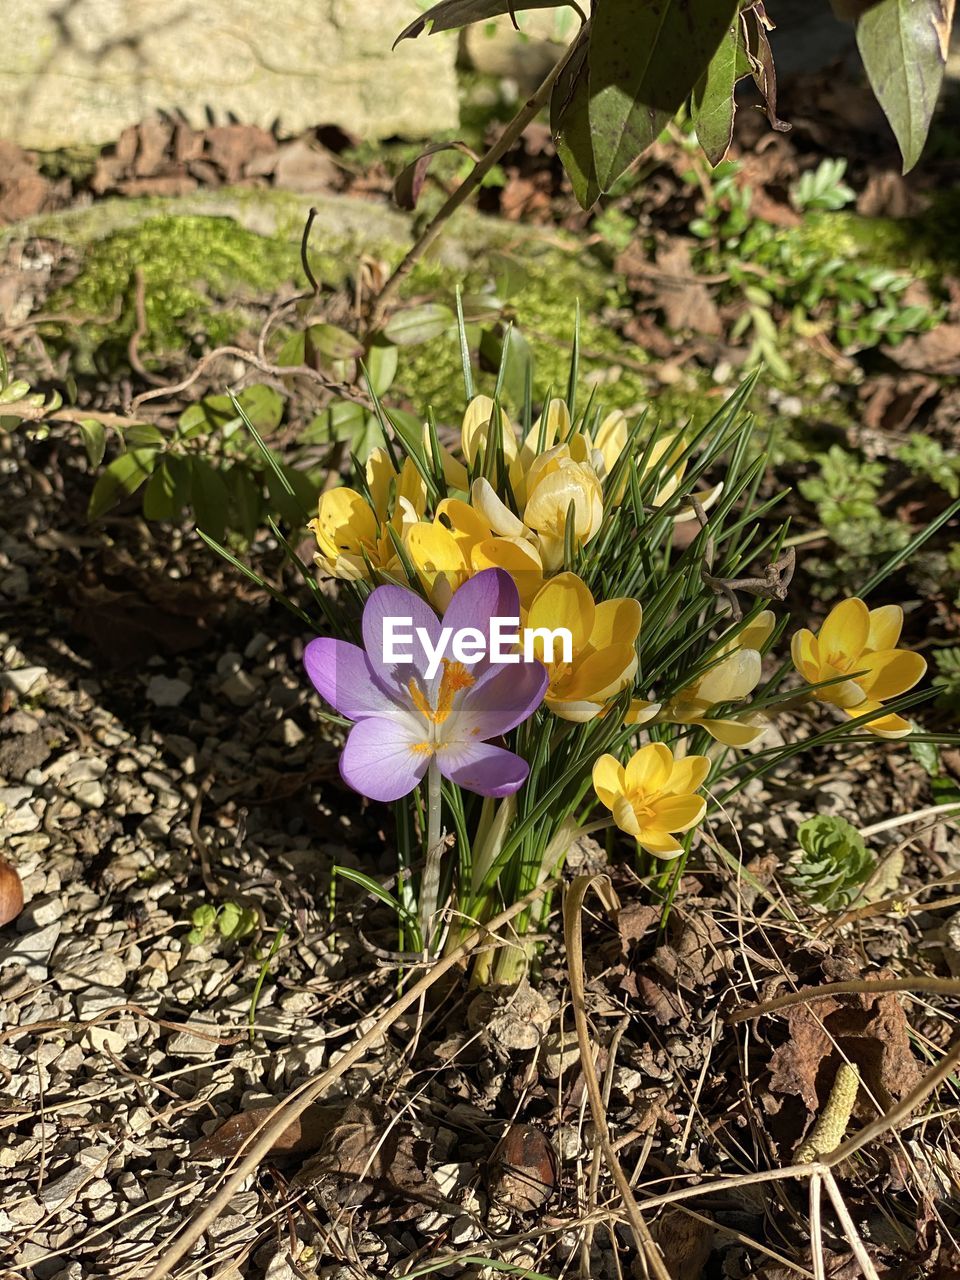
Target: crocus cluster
[{"x": 514, "y": 524}]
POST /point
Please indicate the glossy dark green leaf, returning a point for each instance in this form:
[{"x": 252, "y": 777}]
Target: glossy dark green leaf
[
  {"x": 210, "y": 497},
  {"x": 450, "y": 14},
  {"x": 346, "y": 423},
  {"x": 94, "y": 440},
  {"x": 645, "y": 60},
  {"x": 418, "y": 324},
  {"x": 123, "y": 477},
  {"x": 168, "y": 489},
  {"x": 904, "y": 46},
  {"x": 263, "y": 406},
  {"x": 144, "y": 435},
  {"x": 331, "y": 343},
  {"x": 570, "y": 125},
  {"x": 216, "y": 414}
]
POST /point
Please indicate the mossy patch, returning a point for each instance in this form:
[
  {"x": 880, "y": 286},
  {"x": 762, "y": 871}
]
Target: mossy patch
[{"x": 199, "y": 275}]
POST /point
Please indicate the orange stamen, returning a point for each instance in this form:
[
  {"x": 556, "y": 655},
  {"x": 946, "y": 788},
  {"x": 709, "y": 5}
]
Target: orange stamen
[{"x": 455, "y": 678}]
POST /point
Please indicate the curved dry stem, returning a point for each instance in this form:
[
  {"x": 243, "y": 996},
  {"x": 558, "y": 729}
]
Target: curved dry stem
[
  {"x": 573, "y": 937},
  {"x": 877, "y": 986}
]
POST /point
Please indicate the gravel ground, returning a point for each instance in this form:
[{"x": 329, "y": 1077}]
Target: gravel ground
[{"x": 131, "y": 792}]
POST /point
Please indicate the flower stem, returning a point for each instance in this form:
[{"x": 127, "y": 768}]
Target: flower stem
[{"x": 430, "y": 883}]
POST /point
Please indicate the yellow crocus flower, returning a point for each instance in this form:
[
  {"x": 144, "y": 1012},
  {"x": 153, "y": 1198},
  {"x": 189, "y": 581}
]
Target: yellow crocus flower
[
  {"x": 610, "y": 442},
  {"x": 860, "y": 644},
  {"x": 460, "y": 543},
  {"x": 603, "y": 646},
  {"x": 557, "y": 478},
  {"x": 652, "y": 797},
  {"x": 733, "y": 677},
  {"x": 353, "y": 537}
]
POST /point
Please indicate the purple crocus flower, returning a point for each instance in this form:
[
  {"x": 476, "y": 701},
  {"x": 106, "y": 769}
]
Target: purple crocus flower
[{"x": 406, "y": 718}]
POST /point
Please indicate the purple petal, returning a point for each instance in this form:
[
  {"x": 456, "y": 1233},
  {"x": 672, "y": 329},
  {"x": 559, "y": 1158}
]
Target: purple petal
[
  {"x": 481, "y": 767},
  {"x": 380, "y": 759},
  {"x": 341, "y": 674},
  {"x": 489, "y": 594},
  {"x": 391, "y": 603},
  {"x": 501, "y": 701}
]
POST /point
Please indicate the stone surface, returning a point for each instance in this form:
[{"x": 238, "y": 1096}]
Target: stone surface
[{"x": 82, "y": 72}]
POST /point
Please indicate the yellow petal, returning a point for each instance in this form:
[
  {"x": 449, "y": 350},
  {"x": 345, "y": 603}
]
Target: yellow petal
[
  {"x": 607, "y": 779},
  {"x": 379, "y": 473},
  {"x": 480, "y": 428},
  {"x": 549, "y": 501},
  {"x": 641, "y": 712},
  {"x": 552, "y": 551},
  {"x": 603, "y": 674},
  {"x": 344, "y": 521},
  {"x": 611, "y": 438},
  {"x": 497, "y": 514},
  {"x": 462, "y": 520},
  {"x": 556, "y": 426},
  {"x": 687, "y": 776},
  {"x": 678, "y": 813},
  {"x": 576, "y": 712},
  {"x": 805, "y": 651},
  {"x": 735, "y": 677},
  {"x": 756, "y": 633},
  {"x": 884, "y": 726},
  {"x": 706, "y": 498},
  {"x": 411, "y": 487},
  {"x": 845, "y": 630},
  {"x": 659, "y": 843},
  {"x": 616, "y": 622},
  {"x": 649, "y": 768},
  {"x": 520, "y": 559},
  {"x": 564, "y": 601},
  {"x": 624, "y": 816},
  {"x": 889, "y": 673},
  {"x": 846, "y": 693},
  {"x": 886, "y": 623},
  {"x": 438, "y": 560},
  {"x": 735, "y": 732}
]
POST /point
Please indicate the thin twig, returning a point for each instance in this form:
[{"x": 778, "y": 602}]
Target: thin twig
[
  {"x": 272, "y": 370},
  {"x": 528, "y": 112},
  {"x": 140, "y": 330}
]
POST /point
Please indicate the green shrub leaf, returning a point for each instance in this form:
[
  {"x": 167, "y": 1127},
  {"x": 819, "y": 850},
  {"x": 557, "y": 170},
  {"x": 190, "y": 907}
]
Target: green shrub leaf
[
  {"x": 122, "y": 477},
  {"x": 904, "y": 46},
  {"x": 644, "y": 62}
]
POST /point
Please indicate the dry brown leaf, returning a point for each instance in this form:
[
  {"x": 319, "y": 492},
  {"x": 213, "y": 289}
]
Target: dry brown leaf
[
  {"x": 697, "y": 954},
  {"x": 635, "y": 920},
  {"x": 868, "y": 1029},
  {"x": 936, "y": 352},
  {"x": 301, "y": 1137},
  {"x": 368, "y": 1159},
  {"x": 672, "y": 286},
  {"x": 686, "y": 1243}
]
